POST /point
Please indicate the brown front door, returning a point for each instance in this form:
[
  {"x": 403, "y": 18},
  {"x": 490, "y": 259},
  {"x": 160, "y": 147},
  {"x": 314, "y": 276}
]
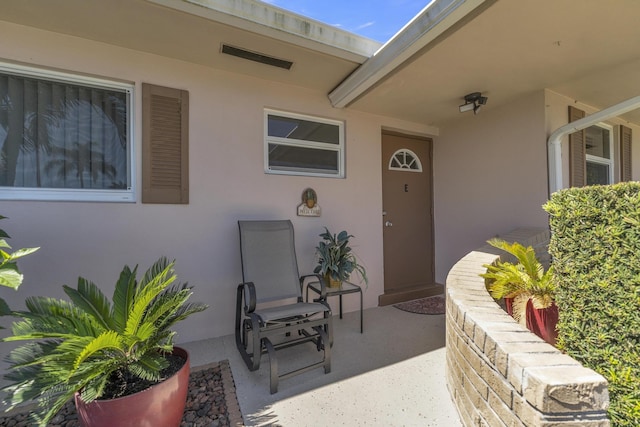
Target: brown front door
[{"x": 407, "y": 218}]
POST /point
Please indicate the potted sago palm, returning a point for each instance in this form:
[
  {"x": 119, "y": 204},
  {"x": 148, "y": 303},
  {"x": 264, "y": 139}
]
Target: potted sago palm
[
  {"x": 116, "y": 359},
  {"x": 528, "y": 290},
  {"x": 336, "y": 260}
]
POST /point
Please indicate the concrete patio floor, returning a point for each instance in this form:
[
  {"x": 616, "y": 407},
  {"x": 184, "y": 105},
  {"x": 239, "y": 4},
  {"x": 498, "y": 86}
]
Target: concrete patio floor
[{"x": 393, "y": 375}]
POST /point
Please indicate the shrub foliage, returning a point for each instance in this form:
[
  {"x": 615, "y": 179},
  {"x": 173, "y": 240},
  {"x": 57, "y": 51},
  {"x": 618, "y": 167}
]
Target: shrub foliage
[{"x": 595, "y": 246}]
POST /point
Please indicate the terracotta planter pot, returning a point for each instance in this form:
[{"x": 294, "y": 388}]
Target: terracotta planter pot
[
  {"x": 542, "y": 322},
  {"x": 159, "y": 406}
]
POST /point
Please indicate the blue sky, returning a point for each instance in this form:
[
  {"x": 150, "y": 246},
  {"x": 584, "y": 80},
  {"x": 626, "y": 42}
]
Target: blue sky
[{"x": 376, "y": 19}]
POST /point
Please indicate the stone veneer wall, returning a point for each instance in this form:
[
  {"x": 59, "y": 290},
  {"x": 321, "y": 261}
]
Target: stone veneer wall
[{"x": 498, "y": 372}]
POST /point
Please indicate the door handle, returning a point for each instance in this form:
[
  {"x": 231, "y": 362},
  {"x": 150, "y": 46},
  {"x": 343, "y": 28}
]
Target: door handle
[{"x": 388, "y": 224}]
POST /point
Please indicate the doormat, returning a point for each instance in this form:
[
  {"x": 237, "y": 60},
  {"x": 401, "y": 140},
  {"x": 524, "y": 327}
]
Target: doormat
[
  {"x": 429, "y": 305},
  {"x": 211, "y": 401}
]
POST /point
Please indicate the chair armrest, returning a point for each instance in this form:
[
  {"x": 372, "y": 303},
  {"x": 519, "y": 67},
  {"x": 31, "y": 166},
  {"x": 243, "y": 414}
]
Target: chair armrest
[
  {"x": 249, "y": 291},
  {"x": 320, "y": 280}
]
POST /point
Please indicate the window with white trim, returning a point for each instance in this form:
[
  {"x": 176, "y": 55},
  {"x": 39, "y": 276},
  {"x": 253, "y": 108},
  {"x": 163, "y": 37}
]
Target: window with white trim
[
  {"x": 599, "y": 154},
  {"x": 64, "y": 136},
  {"x": 296, "y": 144}
]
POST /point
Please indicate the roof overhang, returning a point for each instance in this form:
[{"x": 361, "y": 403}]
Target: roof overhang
[
  {"x": 583, "y": 49},
  {"x": 195, "y": 30},
  {"x": 426, "y": 29},
  {"x": 504, "y": 49},
  {"x": 279, "y": 24}
]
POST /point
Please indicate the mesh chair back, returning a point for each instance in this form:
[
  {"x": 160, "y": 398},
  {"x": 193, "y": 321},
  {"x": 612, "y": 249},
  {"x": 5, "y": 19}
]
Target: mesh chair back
[{"x": 269, "y": 259}]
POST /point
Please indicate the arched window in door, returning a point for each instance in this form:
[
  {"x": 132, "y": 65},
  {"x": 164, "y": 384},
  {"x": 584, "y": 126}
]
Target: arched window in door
[{"x": 405, "y": 160}]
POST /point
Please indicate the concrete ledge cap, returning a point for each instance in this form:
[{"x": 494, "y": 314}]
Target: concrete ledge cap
[{"x": 565, "y": 389}]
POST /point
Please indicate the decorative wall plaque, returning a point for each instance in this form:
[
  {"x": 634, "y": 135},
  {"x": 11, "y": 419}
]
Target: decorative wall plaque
[{"x": 309, "y": 206}]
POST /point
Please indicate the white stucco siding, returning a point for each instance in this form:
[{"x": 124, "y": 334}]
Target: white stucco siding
[
  {"x": 490, "y": 175},
  {"x": 227, "y": 183}
]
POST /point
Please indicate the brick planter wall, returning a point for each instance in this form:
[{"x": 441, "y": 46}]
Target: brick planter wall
[{"x": 498, "y": 372}]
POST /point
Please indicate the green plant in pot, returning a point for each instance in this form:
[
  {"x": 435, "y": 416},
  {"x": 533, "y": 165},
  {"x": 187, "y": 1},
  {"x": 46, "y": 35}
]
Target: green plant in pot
[
  {"x": 336, "y": 260},
  {"x": 101, "y": 352},
  {"x": 525, "y": 286}
]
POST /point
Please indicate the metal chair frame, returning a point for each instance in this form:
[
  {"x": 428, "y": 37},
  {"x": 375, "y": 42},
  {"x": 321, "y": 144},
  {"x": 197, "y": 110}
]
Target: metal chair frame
[{"x": 303, "y": 322}]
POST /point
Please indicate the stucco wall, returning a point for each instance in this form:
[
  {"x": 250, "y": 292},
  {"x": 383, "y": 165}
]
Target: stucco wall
[
  {"x": 227, "y": 183},
  {"x": 490, "y": 171},
  {"x": 556, "y": 115},
  {"x": 490, "y": 177}
]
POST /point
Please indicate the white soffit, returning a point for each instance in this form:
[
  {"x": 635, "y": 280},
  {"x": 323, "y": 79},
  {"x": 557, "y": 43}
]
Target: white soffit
[
  {"x": 425, "y": 28},
  {"x": 280, "y": 24}
]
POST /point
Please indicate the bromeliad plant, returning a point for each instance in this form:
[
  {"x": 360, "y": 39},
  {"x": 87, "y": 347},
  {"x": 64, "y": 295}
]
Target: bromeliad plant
[
  {"x": 336, "y": 259},
  {"x": 88, "y": 343},
  {"x": 522, "y": 281}
]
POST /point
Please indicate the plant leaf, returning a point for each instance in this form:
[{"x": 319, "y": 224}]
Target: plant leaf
[{"x": 90, "y": 299}]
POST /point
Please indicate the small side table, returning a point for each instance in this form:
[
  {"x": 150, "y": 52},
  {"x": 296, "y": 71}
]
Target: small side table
[{"x": 345, "y": 288}]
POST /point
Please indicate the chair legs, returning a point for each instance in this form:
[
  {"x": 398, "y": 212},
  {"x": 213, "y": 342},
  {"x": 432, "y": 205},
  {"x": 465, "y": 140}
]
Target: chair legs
[
  {"x": 242, "y": 329},
  {"x": 322, "y": 343},
  {"x": 253, "y": 340},
  {"x": 260, "y": 346}
]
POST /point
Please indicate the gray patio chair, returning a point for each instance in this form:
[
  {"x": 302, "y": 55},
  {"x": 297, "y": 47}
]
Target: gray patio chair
[{"x": 270, "y": 275}]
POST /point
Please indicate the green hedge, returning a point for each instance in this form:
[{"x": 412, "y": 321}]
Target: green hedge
[{"x": 595, "y": 247}]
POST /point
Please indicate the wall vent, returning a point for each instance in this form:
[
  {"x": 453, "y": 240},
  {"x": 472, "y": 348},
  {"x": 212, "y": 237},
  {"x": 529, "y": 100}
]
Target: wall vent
[{"x": 257, "y": 57}]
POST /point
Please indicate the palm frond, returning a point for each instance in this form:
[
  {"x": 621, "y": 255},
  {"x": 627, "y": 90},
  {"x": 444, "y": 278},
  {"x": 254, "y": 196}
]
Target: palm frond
[
  {"x": 30, "y": 330},
  {"x": 106, "y": 340},
  {"x": 504, "y": 280},
  {"x": 145, "y": 331},
  {"x": 149, "y": 367},
  {"x": 123, "y": 297},
  {"x": 90, "y": 299},
  {"x": 53, "y": 405},
  {"x": 167, "y": 302},
  {"x": 526, "y": 277},
  {"x": 171, "y": 306},
  {"x": 78, "y": 345},
  {"x": 160, "y": 267},
  {"x": 525, "y": 256},
  {"x": 95, "y": 388},
  {"x": 51, "y": 318},
  {"x": 184, "y": 311},
  {"x": 148, "y": 290}
]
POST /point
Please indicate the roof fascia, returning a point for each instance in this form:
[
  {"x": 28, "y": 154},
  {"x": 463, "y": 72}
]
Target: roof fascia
[
  {"x": 426, "y": 29},
  {"x": 280, "y": 24}
]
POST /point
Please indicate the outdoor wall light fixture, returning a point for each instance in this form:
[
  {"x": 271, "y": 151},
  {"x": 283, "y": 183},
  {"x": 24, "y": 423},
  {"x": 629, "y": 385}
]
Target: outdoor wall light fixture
[{"x": 473, "y": 101}]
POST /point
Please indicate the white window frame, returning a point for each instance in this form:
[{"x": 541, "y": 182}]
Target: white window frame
[
  {"x": 339, "y": 148},
  {"x": 415, "y": 166},
  {"x": 612, "y": 152},
  {"x": 69, "y": 194}
]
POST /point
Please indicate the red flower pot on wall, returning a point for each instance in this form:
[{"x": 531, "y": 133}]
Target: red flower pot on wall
[
  {"x": 508, "y": 305},
  {"x": 542, "y": 322},
  {"x": 161, "y": 405}
]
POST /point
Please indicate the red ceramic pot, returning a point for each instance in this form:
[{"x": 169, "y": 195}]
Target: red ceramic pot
[
  {"x": 543, "y": 322},
  {"x": 161, "y": 405},
  {"x": 508, "y": 305}
]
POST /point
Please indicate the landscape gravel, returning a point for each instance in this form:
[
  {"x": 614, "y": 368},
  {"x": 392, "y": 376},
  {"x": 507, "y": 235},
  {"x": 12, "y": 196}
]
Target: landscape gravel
[{"x": 211, "y": 402}]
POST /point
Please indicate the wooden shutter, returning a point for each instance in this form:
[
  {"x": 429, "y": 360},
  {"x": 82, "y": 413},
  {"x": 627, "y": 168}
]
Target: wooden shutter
[
  {"x": 625, "y": 153},
  {"x": 577, "y": 152},
  {"x": 165, "y": 145}
]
